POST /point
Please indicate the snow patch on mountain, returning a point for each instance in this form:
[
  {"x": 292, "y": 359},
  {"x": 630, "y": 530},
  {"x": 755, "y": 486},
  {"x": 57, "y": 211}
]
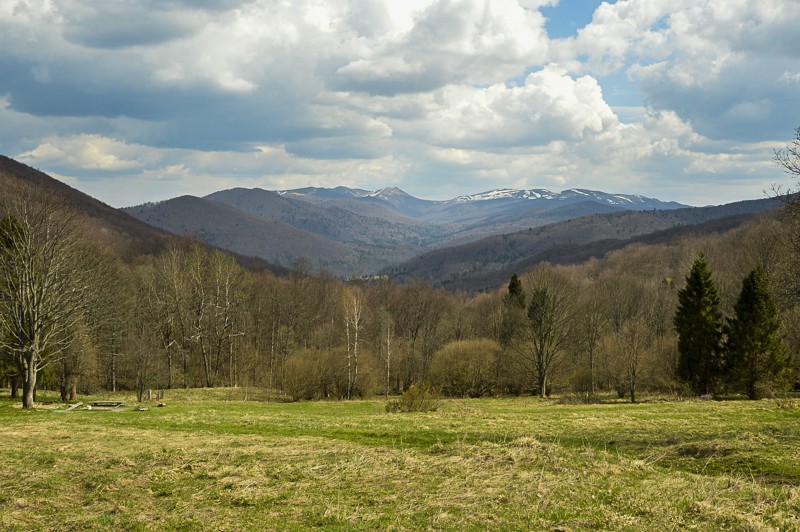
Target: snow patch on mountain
[{"x": 507, "y": 193}]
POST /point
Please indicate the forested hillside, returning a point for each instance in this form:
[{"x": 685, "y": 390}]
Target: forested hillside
[
  {"x": 125, "y": 234},
  {"x": 190, "y": 316},
  {"x": 186, "y": 315},
  {"x": 485, "y": 263}
]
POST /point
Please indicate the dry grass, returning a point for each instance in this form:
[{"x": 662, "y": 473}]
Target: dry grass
[{"x": 501, "y": 464}]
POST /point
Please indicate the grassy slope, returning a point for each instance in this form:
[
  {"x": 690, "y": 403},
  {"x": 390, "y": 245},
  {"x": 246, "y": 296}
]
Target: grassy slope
[{"x": 501, "y": 463}]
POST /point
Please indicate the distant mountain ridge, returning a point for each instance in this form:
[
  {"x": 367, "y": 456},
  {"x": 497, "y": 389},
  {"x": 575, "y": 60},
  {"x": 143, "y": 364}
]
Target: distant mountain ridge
[
  {"x": 495, "y": 194},
  {"x": 484, "y": 264},
  {"x": 395, "y": 196},
  {"x": 467, "y": 243},
  {"x": 356, "y": 231}
]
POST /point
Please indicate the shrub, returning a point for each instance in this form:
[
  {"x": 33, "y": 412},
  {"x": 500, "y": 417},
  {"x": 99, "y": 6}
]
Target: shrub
[
  {"x": 303, "y": 373},
  {"x": 419, "y": 398},
  {"x": 466, "y": 368}
]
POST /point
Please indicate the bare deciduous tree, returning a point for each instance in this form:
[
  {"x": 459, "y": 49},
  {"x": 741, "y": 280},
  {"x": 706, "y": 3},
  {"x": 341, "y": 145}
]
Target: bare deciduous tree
[
  {"x": 354, "y": 321},
  {"x": 217, "y": 297},
  {"x": 788, "y": 159},
  {"x": 592, "y": 322},
  {"x": 549, "y": 326},
  {"x": 42, "y": 286}
]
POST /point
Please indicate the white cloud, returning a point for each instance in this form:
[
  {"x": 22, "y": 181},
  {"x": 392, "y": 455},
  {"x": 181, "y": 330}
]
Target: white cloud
[
  {"x": 442, "y": 97},
  {"x": 715, "y": 62},
  {"x": 549, "y": 106},
  {"x": 790, "y": 77},
  {"x": 86, "y": 152},
  {"x": 450, "y": 41}
]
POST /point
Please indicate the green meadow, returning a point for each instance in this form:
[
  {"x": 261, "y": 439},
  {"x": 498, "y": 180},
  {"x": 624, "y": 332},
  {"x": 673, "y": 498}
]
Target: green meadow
[{"x": 210, "y": 459}]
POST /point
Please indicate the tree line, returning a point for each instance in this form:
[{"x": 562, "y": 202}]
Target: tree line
[{"x": 76, "y": 317}]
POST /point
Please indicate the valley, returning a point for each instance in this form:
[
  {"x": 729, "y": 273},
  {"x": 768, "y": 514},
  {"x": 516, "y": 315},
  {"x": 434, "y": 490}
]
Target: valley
[{"x": 470, "y": 243}]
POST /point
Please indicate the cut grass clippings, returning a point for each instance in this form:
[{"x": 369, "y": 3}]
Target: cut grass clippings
[{"x": 207, "y": 462}]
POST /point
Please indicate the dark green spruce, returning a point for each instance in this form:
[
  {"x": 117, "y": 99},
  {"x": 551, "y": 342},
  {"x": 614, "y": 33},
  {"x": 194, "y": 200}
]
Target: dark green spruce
[
  {"x": 698, "y": 322},
  {"x": 756, "y": 354},
  {"x": 516, "y": 294}
]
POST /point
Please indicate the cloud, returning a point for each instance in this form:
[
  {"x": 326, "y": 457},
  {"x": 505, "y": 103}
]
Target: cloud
[
  {"x": 87, "y": 152},
  {"x": 718, "y": 63},
  {"x": 441, "y": 97},
  {"x": 109, "y": 25},
  {"x": 450, "y": 41},
  {"x": 550, "y": 106}
]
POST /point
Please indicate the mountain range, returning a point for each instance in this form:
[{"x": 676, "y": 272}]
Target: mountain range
[
  {"x": 351, "y": 231},
  {"x": 467, "y": 243},
  {"x": 486, "y": 263}
]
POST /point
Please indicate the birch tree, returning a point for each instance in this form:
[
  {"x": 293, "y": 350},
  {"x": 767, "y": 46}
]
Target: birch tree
[
  {"x": 216, "y": 286},
  {"x": 354, "y": 322}
]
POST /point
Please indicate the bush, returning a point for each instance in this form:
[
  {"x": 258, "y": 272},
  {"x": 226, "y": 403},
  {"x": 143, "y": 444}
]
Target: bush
[
  {"x": 420, "y": 398},
  {"x": 467, "y": 368},
  {"x": 302, "y": 374}
]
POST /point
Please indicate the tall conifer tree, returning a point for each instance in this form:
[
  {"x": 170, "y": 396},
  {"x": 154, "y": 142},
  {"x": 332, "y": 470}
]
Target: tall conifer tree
[
  {"x": 516, "y": 294},
  {"x": 755, "y": 351},
  {"x": 698, "y": 323},
  {"x": 513, "y": 311}
]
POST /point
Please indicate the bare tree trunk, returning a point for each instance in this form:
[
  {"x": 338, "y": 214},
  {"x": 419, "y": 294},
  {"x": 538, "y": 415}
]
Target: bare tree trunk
[
  {"x": 28, "y": 386},
  {"x": 113, "y": 372},
  {"x": 185, "y": 369},
  {"x": 388, "y": 356},
  {"x": 355, "y": 355},
  {"x": 349, "y": 361},
  {"x": 170, "y": 370},
  {"x": 62, "y": 384},
  {"x": 271, "y": 383}
]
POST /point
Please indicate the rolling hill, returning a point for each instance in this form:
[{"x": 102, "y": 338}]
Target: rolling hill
[
  {"x": 468, "y": 242},
  {"x": 487, "y": 263},
  {"x": 223, "y": 226},
  {"x": 127, "y": 235}
]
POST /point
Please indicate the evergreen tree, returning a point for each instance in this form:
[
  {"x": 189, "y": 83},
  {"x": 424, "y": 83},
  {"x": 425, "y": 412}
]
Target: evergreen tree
[
  {"x": 513, "y": 311},
  {"x": 698, "y": 323},
  {"x": 516, "y": 294},
  {"x": 754, "y": 347}
]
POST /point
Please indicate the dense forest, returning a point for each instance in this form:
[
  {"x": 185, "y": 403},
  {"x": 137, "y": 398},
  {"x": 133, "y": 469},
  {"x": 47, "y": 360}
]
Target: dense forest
[{"x": 717, "y": 314}]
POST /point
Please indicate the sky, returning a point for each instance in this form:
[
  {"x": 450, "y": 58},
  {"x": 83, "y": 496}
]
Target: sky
[{"x": 136, "y": 101}]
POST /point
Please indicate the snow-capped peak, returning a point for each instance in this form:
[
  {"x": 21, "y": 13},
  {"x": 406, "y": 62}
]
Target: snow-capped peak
[{"x": 506, "y": 193}]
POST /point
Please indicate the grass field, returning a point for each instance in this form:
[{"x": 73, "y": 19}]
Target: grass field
[{"x": 210, "y": 460}]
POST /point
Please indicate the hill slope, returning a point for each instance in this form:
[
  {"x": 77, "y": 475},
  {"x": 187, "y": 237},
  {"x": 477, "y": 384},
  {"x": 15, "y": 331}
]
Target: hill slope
[
  {"x": 387, "y": 226},
  {"x": 487, "y": 263},
  {"x": 229, "y": 228},
  {"x": 377, "y": 226},
  {"x": 125, "y": 233}
]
